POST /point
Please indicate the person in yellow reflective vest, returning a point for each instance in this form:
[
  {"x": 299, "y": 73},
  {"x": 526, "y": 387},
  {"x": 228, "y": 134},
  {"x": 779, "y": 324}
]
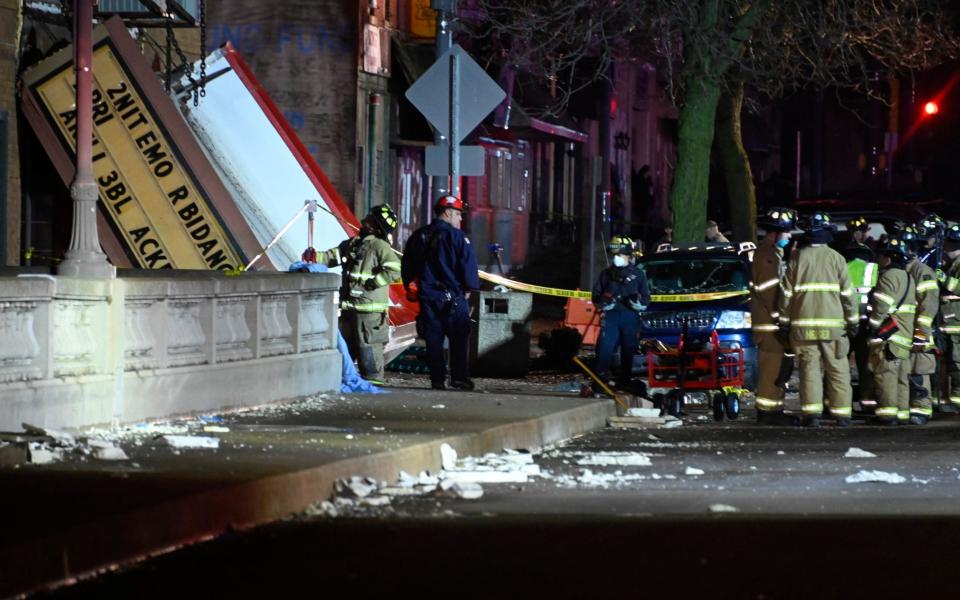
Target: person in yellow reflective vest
[
  {"x": 950, "y": 310},
  {"x": 767, "y": 271},
  {"x": 369, "y": 266},
  {"x": 817, "y": 307},
  {"x": 892, "y": 307},
  {"x": 923, "y": 361},
  {"x": 863, "y": 270}
]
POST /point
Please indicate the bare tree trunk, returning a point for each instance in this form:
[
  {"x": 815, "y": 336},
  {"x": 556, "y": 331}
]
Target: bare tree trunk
[
  {"x": 688, "y": 196},
  {"x": 736, "y": 166}
]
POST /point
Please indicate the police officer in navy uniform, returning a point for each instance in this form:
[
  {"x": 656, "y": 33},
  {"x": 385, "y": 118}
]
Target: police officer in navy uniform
[
  {"x": 439, "y": 269},
  {"x": 620, "y": 293}
]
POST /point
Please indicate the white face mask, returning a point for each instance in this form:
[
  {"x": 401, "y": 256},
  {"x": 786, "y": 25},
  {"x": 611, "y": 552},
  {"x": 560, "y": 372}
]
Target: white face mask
[{"x": 619, "y": 260}]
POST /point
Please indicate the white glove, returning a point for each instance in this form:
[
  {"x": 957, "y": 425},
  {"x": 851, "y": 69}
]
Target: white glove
[
  {"x": 637, "y": 305},
  {"x": 607, "y": 306}
]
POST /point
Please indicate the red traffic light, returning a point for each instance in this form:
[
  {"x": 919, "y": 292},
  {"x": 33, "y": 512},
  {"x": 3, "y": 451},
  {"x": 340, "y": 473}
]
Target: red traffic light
[{"x": 931, "y": 108}]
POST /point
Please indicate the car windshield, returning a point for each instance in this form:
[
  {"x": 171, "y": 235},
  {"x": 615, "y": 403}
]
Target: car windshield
[{"x": 696, "y": 275}]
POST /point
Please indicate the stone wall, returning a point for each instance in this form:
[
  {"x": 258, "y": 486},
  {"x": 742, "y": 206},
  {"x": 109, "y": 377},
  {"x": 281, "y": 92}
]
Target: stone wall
[{"x": 77, "y": 352}]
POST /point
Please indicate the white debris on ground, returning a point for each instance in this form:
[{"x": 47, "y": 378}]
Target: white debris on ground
[
  {"x": 191, "y": 441},
  {"x": 607, "y": 459},
  {"x": 459, "y": 478},
  {"x": 859, "y": 453},
  {"x": 693, "y": 471},
  {"x": 45, "y": 446},
  {"x": 723, "y": 508},
  {"x": 875, "y": 476}
]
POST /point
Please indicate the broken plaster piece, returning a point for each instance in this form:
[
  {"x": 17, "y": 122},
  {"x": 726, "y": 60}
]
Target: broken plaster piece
[
  {"x": 875, "y": 476},
  {"x": 448, "y": 457},
  {"x": 859, "y": 453}
]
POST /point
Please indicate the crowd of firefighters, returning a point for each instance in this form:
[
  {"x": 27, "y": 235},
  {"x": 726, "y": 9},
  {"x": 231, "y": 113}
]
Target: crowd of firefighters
[{"x": 893, "y": 303}]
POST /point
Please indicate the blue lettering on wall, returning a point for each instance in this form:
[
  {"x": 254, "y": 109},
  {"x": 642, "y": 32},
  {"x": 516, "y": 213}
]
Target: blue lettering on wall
[
  {"x": 295, "y": 118},
  {"x": 249, "y": 38}
]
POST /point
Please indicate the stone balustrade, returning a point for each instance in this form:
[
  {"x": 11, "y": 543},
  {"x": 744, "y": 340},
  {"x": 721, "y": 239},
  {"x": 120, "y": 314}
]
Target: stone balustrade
[{"x": 77, "y": 352}]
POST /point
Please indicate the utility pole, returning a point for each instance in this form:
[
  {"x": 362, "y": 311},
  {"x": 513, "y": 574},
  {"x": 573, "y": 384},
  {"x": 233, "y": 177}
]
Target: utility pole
[
  {"x": 84, "y": 257},
  {"x": 446, "y": 11}
]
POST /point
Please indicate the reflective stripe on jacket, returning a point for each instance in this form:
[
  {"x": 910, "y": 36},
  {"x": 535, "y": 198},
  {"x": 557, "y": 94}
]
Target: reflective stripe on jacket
[
  {"x": 863, "y": 278},
  {"x": 894, "y": 284},
  {"x": 928, "y": 296},
  {"x": 766, "y": 272},
  {"x": 369, "y": 266},
  {"x": 817, "y": 299}
]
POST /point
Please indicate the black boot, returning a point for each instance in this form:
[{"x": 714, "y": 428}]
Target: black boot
[
  {"x": 464, "y": 384},
  {"x": 812, "y": 421},
  {"x": 917, "y": 419},
  {"x": 776, "y": 418}
]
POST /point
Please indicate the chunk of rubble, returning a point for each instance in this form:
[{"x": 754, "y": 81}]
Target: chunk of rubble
[
  {"x": 110, "y": 453},
  {"x": 42, "y": 454},
  {"x": 60, "y": 437},
  {"x": 489, "y": 476},
  {"x": 465, "y": 490},
  {"x": 355, "y": 487},
  {"x": 643, "y": 412},
  {"x": 374, "y": 501},
  {"x": 723, "y": 508},
  {"x": 875, "y": 476},
  {"x": 859, "y": 453},
  {"x": 182, "y": 442},
  {"x": 693, "y": 471},
  {"x": 448, "y": 456},
  {"x": 605, "y": 459}
]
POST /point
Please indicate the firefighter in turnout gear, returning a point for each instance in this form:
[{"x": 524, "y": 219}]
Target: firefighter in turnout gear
[
  {"x": 863, "y": 270},
  {"x": 369, "y": 266},
  {"x": 816, "y": 304},
  {"x": 923, "y": 361},
  {"x": 950, "y": 310},
  {"x": 892, "y": 307},
  {"x": 620, "y": 294},
  {"x": 767, "y": 271}
]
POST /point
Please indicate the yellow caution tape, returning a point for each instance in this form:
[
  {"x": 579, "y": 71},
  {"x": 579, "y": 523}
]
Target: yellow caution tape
[
  {"x": 548, "y": 291},
  {"x": 533, "y": 289}
]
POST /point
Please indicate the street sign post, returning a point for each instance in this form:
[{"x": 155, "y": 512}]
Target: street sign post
[{"x": 455, "y": 94}]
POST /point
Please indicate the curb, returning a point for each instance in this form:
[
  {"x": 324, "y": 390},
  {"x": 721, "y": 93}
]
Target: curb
[{"x": 61, "y": 558}]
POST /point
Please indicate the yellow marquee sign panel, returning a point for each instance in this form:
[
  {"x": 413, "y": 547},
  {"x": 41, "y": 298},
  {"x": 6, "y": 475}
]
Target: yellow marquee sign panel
[{"x": 152, "y": 200}]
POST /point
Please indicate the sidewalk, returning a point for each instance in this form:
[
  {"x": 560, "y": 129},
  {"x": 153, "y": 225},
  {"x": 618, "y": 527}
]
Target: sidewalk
[{"x": 68, "y": 518}]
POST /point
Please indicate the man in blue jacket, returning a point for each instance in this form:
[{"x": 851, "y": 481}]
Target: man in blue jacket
[
  {"x": 439, "y": 269},
  {"x": 620, "y": 293}
]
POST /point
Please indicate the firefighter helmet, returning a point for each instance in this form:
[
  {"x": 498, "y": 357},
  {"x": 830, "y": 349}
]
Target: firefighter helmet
[
  {"x": 908, "y": 234},
  {"x": 819, "y": 221},
  {"x": 384, "y": 218},
  {"x": 620, "y": 244},
  {"x": 894, "y": 247},
  {"x": 778, "y": 219},
  {"x": 953, "y": 233},
  {"x": 448, "y": 201},
  {"x": 858, "y": 224}
]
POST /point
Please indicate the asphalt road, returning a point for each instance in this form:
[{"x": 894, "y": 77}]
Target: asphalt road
[{"x": 784, "y": 523}]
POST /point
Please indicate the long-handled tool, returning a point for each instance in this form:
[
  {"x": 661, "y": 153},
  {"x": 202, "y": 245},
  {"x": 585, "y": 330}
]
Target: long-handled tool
[{"x": 618, "y": 398}]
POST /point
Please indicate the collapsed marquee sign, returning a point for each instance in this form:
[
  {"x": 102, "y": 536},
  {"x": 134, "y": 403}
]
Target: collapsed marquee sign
[{"x": 162, "y": 205}]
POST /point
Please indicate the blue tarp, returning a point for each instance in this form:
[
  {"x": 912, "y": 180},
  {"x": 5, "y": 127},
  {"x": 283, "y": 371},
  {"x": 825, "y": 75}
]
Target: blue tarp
[{"x": 350, "y": 380}]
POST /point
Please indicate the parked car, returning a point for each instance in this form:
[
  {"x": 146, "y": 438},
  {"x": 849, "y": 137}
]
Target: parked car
[{"x": 706, "y": 287}]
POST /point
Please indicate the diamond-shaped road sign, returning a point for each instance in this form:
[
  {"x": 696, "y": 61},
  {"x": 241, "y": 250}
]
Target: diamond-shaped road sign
[{"x": 479, "y": 94}]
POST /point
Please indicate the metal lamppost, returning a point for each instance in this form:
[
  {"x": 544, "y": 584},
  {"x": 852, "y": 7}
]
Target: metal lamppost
[{"x": 84, "y": 257}]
